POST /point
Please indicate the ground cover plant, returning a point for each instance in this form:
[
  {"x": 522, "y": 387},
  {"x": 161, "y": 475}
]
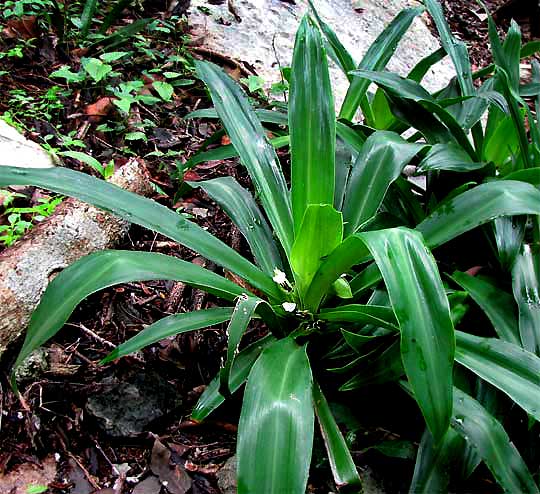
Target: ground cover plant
[{"x": 343, "y": 274}]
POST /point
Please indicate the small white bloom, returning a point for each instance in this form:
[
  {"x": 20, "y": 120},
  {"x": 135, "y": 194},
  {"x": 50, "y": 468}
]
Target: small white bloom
[
  {"x": 279, "y": 276},
  {"x": 57, "y": 457},
  {"x": 289, "y": 306}
]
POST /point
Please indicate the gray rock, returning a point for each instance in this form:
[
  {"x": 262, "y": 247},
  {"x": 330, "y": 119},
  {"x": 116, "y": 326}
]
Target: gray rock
[
  {"x": 124, "y": 409},
  {"x": 261, "y": 33},
  {"x": 226, "y": 477}
]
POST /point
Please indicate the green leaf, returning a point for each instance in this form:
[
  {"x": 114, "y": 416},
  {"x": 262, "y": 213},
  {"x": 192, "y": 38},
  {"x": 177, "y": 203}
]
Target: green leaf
[
  {"x": 141, "y": 211},
  {"x": 411, "y": 90},
  {"x": 320, "y": 233},
  {"x": 83, "y": 158},
  {"x": 240, "y": 206},
  {"x": 336, "y": 49},
  {"x": 526, "y": 284},
  {"x": 312, "y": 124},
  {"x": 95, "y": 68},
  {"x": 498, "y": 305},
  {"x": 248, "y": 137},
  {"x": 103, "y": 269},
  {"x": 341, "y": 462},
  {"x": 36, "y": 489},
  {"x": 164, "y": 89},
  {"x": 421, "y": 308},
  {"x": 275, "y": 433},
  {"x": 361, "y": 314},
  {"x": 509, "y": 234},
  {"x": 492, "y": 443},
  {"x": 376, "y": 58},
  {"x": 433, "y": 461},
  {"x": 226, "y": 152},
  {"x": 136, "y": 136},
  {"x": 241, "y": 317},
  {"x": 113, "y": 56},
  {"x": 449, "y": 157},
  {"x": 87, "y": 16},
  {"x": 66, "y": 73},
  {"x": 508, "y": 367},
  {"x": 386, "y": 367},
  {"x": 478, "y": 206},
  {"x": 422, "y": 67},
  {"x": 170, "y": 326},
  {"x": 211, "y": 397},
  {"x": 383, "y": 157}
]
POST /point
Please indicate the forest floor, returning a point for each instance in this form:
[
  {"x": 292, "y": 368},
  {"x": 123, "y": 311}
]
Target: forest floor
[{"x": 124, "y": 427}]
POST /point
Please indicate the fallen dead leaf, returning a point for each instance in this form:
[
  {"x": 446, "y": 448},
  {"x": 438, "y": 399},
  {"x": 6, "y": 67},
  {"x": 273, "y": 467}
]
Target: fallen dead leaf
[
  {"x": 25, "y": 27},
  {"x": 150, "y": 485},
  {"x": 101, "y": 108},
  {"x": 173, "y": 477}
]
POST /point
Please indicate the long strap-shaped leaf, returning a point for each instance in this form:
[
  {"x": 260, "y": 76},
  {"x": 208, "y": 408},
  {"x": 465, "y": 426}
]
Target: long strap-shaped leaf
[
  {"x": 240, "y": 206},
  {"x": 526, "y": 288},
  {"x": 107, "y": 268},
  {"x": 361, "y": 314},
  {"x": 421, "y": 308},
  {"x": 320, "y": 233},
  {"x": 478, "y": 427},
  {"x": 275, "y": 433},
  {"x": 243, "y": 312},
  {"x": 411, "y": 90},
  {"x": 256, "y": 153},
  {"x": 478, "y": 206},
  {"x": 170, "y": 326},
  {"x": 312, "y": 123},
  {"x": 432, "y": 467},
  {"x": 497, "y": 304},
  {"x": 211, "y": 397},
  {"x": 336, "y": 50},
  {"x": 376, "y": 58},
  {"x": 341, "y": 462},
  {"x": 380, "y": 163},
  {"x": 508, "y": 367},
  {"x": 141, "y": 211}
]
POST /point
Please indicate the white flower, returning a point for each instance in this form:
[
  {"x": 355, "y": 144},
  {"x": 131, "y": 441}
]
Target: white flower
[
  {"x": 279, "y": 277},
  {"x": 289, "y": 306}
]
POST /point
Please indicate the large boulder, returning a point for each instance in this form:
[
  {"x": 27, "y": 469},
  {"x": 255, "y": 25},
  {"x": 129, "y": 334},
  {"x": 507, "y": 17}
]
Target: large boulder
[{"x": 260, "y": 33}]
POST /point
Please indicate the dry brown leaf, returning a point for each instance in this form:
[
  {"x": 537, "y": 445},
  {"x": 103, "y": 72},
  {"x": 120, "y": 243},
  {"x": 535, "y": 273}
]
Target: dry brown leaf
[
  {"x": 25, "y": 27},
  {"x": 101, "y": 108}
]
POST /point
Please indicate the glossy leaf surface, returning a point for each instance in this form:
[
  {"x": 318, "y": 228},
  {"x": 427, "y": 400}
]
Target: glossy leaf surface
[
  {"x": 141, "y": 211},
  {"x": 497, "y": 304},
  {"x": 170, "y": 326},
  {"x": 383, "y": 157},
  {"x": 341, "y": 462},
  {"x": 240, "y": 206},
  {"x": 257, "y": 155},
  {"x": 276, "y": 424},
  {"x": 421, "y": 308},
  {"x": 211, "y": 398},
  {"x": 508, "y": 367},
  {"x": 526, "y": 288},
  {"x": 312, "y": 123}
]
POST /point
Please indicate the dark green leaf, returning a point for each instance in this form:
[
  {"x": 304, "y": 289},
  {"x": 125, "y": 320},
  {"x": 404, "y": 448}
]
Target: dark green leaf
[
  {"x": 312, "y": 124},
  {"x": 240, "y": 206},
  {"x": 341, "y": 462},
  {"x": 170, "y": 326},
  {"x": 248, "y": 137},
  {"x": 141, "y": 211},
  {"x": 275, "y": 433},
  {"x": 508, "y": 367}
]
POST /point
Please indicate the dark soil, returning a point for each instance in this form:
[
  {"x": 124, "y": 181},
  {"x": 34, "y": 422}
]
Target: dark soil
[{"x": 54, "y": 416}]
